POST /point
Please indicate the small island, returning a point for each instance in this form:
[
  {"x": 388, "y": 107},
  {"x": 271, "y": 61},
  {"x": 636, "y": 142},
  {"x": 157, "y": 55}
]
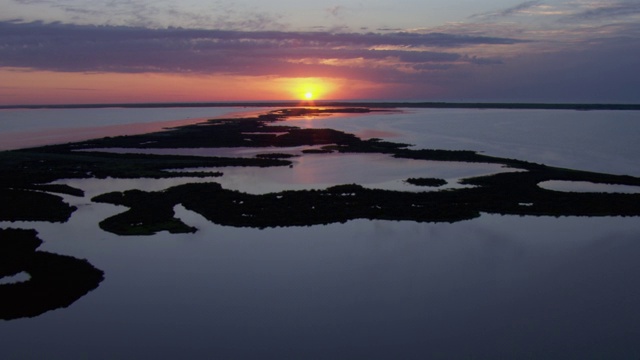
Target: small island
[
  {"x": 56, "y": 281},
  {"x": 432, "y": 182}
]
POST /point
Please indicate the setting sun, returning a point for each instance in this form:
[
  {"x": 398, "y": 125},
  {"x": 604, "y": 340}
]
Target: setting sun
[{"x": 309, "y": 89}]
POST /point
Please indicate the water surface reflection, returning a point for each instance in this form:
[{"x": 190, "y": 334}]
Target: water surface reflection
[
  {"x": 497, "y": 286},
  {"x": 492, "y": 287}
]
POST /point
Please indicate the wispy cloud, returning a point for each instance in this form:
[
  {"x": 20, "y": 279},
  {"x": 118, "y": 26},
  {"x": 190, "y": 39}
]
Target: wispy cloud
[
  {"x": 31, "y": 2},
  {"x": 609, "y": 10},
  {"x": 84, "y": 48},
  {"x": 336, "y": 10},
  {"x": 15, "y": 35},
  {"x": 514, "y": 10},
  {"x": 218, "y": 14},
  {"x": 582, "y": 46},
  {"x": 520, "y": 8}
]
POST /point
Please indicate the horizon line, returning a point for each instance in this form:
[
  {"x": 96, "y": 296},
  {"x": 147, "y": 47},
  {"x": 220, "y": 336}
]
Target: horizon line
[{"x": 341, "y": 103}]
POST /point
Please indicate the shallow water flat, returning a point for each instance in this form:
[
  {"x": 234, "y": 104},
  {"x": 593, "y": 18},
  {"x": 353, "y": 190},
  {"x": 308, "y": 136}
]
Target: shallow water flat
[
  {"x": 603, "y": 141},
  {"x": 22, "y": 128},
  {"x": 319, "y": 171},
  {"x": 584, "y": 186}
]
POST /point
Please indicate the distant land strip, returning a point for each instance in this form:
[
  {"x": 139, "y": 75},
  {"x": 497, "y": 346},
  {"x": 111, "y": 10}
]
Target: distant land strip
[{"x": 370, "y": 104}]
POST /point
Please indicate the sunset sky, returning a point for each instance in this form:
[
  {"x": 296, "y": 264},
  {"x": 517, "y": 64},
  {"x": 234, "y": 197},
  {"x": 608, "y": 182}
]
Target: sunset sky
[{"x": 78, "y": 51}]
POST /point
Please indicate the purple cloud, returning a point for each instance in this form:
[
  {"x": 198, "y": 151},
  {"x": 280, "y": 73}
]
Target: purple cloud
[
  {"x": 83, "y": 48},
  {"x": 589, "y": 66}
]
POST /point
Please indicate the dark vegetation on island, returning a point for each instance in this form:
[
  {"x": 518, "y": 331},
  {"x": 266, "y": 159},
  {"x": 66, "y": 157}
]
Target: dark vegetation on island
[
  {"x": 426, "y": 182},
  {"x": 151, "y": 212},
  {"x": 27, "y": 194},
  {"x": 275, "y": 156},
  {"x": 56, "y": 281},
  {"x": 25, "y": 176}
]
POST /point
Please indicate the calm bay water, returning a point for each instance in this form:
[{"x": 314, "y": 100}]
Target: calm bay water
[
  {"x": 492, "y": 287},
  {"x": 605, "y": 141},
  {"x": 21, "y": 128}
]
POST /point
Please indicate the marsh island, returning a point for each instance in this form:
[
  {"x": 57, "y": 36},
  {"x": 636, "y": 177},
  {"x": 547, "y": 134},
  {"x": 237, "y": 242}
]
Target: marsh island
[{"x": 30, "y": 179}]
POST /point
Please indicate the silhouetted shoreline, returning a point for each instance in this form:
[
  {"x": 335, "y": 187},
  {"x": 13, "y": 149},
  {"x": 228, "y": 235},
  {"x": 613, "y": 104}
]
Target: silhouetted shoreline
[
  {"x": 503, "y": 193},
  {"x": 29, "y": 193}
]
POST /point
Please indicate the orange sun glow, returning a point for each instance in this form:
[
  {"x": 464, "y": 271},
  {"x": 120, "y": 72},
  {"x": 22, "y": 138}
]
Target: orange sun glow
[{"x": 309, "y": 89}]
